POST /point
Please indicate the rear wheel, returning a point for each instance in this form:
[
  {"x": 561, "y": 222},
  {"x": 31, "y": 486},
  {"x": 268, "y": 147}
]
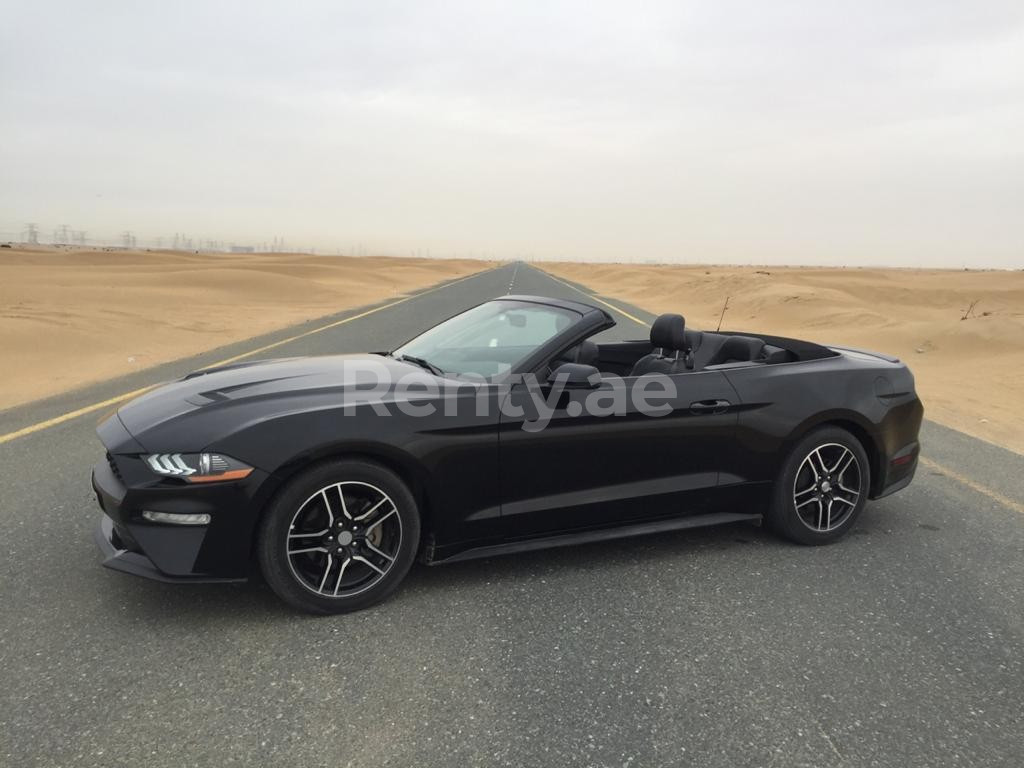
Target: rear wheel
[
  {"x": 339, "y": 537},
  {"x": 822, "y": 488}
]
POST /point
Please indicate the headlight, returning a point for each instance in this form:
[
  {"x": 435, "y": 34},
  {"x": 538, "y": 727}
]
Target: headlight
[{"x": 198, "y": 467}]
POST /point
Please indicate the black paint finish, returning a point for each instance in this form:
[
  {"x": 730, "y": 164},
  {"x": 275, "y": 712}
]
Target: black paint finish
[{"x": 484, "y": 484}]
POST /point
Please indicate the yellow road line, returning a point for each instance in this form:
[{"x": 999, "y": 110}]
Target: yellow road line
[
  {"x": 70, "y": 415},
  {"x": 304, "y": 334},
  {"x": 974, "y": 486},
  {"x": 39, "y": 426},
  {"x": 621, "y": 311}
]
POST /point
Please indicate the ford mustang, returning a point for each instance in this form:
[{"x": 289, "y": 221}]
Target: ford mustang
[{"x": 506, "y": 428}]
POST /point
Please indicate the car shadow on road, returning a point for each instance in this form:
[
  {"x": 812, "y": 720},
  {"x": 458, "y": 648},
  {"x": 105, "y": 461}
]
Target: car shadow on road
[
  {"x": 215, "y": 603},
  {"x": 722, "y": 548}
]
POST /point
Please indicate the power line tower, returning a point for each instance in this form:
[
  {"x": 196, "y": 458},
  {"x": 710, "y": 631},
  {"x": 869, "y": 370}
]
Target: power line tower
[
  {"x": 64, "y": 234},
  {"x": 128, "y": 239},
  {"x": 32, "y": 233}
]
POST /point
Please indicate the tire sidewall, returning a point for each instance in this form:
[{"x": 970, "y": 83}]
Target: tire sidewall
[
  {"x": 783, "y": 516},
  {"x": 273, "y": 534}
]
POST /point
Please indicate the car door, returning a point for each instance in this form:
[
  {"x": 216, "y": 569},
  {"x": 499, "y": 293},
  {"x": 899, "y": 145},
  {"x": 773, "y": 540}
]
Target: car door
[{"x": 592, "y": 467}]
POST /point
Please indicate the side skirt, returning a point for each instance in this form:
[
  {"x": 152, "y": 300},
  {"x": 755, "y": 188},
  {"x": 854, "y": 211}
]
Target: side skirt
[{"x": 601, "y": 534}]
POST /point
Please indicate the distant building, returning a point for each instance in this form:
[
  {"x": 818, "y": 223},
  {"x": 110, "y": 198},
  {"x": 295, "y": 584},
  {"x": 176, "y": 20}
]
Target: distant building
[{"x": 242, "y": 249}]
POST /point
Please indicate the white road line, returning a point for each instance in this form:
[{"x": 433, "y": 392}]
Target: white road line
[{"x": 513, "y": 280}]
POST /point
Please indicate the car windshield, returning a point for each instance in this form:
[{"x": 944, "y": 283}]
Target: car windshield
[{"x": 489, "y": 339}]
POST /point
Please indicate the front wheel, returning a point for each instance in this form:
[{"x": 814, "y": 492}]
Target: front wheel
[
  {"x": 339, "y": 537},
  {"x": 822, "y": 488}
]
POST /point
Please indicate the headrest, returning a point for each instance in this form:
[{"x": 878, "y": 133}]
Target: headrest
[
  {"x": 739, "y": 349},
  {"x": 669, "y": 332},
  {"x": 587, "y": 353}
]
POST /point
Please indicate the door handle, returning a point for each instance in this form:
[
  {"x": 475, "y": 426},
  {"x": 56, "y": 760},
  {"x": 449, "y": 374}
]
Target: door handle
[{"x": 709, "y": 406}]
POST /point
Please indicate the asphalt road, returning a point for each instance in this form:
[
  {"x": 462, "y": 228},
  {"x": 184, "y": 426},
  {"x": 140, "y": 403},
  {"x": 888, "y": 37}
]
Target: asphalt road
[{"x": 900, "y": 646}]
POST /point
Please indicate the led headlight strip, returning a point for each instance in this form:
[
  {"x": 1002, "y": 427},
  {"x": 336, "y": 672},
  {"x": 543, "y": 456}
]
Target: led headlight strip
[
  {"x": 169, "y": 464},
  {"x": 198, "y": 467}
]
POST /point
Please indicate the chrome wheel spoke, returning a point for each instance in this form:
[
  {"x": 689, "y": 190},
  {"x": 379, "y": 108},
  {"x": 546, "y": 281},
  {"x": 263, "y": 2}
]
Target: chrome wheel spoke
[
  {"x": 308, "y": 549},
  {"x": 327, "y": 570},
  {"x": 344, "y": 506},
  {"x": 308, "y": 535},
  {"x": 808, "y": 501},
  {"x": 845, "y": 501},
  {"x": 371, "y": 510},
  {"x": 381, "y": 519},
  {"x": 820, "y": 469},
  {"x": 846, "y": 452},
  {"x": 341, "y": 572},
  {"x": 376, "y": 551},
  {"x": 839, "y": 472},
  {"x": 364, "y": 561},
  {"x": 327, "y": 506}
]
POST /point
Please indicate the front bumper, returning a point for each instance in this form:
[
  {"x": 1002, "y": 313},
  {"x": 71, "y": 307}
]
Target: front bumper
[
  {"x": 220, "y": 551},
  {"x": 117, "y": 558}
]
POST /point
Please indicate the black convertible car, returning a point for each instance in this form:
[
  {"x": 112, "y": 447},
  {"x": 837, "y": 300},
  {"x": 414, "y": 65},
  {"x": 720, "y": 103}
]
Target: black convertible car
[{"x": 505, "y": 428}]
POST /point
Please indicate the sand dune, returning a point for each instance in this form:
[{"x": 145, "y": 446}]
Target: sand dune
[
  {"x": 71, "y": 317},
  {"x": 970, "y": 372}
]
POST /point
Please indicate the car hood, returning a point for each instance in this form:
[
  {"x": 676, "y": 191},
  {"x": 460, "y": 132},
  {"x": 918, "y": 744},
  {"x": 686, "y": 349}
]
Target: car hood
[{"x": 271, "y": 386}]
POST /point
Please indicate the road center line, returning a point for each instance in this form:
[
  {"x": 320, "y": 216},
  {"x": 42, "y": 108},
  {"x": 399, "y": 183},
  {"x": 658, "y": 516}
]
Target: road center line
[
  {"x": 513, "y": 280},
  {"x": 41, "y": 425}
]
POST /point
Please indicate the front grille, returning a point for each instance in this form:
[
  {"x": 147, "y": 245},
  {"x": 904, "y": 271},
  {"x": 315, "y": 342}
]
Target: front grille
[{"x": 113, "y": 467}]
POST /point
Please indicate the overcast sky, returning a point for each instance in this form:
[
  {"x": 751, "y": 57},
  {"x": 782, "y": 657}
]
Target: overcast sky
[{"x": 758, "y": 132}]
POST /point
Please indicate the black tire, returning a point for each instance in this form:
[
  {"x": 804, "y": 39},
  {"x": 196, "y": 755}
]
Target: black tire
[
  {"x": 292, "y": 559},
  {"x": 828, "y": 506}
]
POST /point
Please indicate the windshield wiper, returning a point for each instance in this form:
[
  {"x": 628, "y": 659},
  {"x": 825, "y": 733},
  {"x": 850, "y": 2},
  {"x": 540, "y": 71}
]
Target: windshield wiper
[{"x": 422, "y": 363}]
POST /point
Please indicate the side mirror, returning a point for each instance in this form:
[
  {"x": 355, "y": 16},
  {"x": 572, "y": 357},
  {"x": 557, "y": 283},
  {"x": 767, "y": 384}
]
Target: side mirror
[{"x": 575, "y": 376}]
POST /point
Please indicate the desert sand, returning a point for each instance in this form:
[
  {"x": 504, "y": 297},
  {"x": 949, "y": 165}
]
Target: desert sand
[
  {"x": 969, "y": 372},
  {"x": 71, "y": 317}
]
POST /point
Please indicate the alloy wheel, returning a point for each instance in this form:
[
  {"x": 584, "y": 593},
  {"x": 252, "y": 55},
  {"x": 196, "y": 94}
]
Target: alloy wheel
[
  {"x": 827, "y": 487},
  {"x": 344, "y": 539}
]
